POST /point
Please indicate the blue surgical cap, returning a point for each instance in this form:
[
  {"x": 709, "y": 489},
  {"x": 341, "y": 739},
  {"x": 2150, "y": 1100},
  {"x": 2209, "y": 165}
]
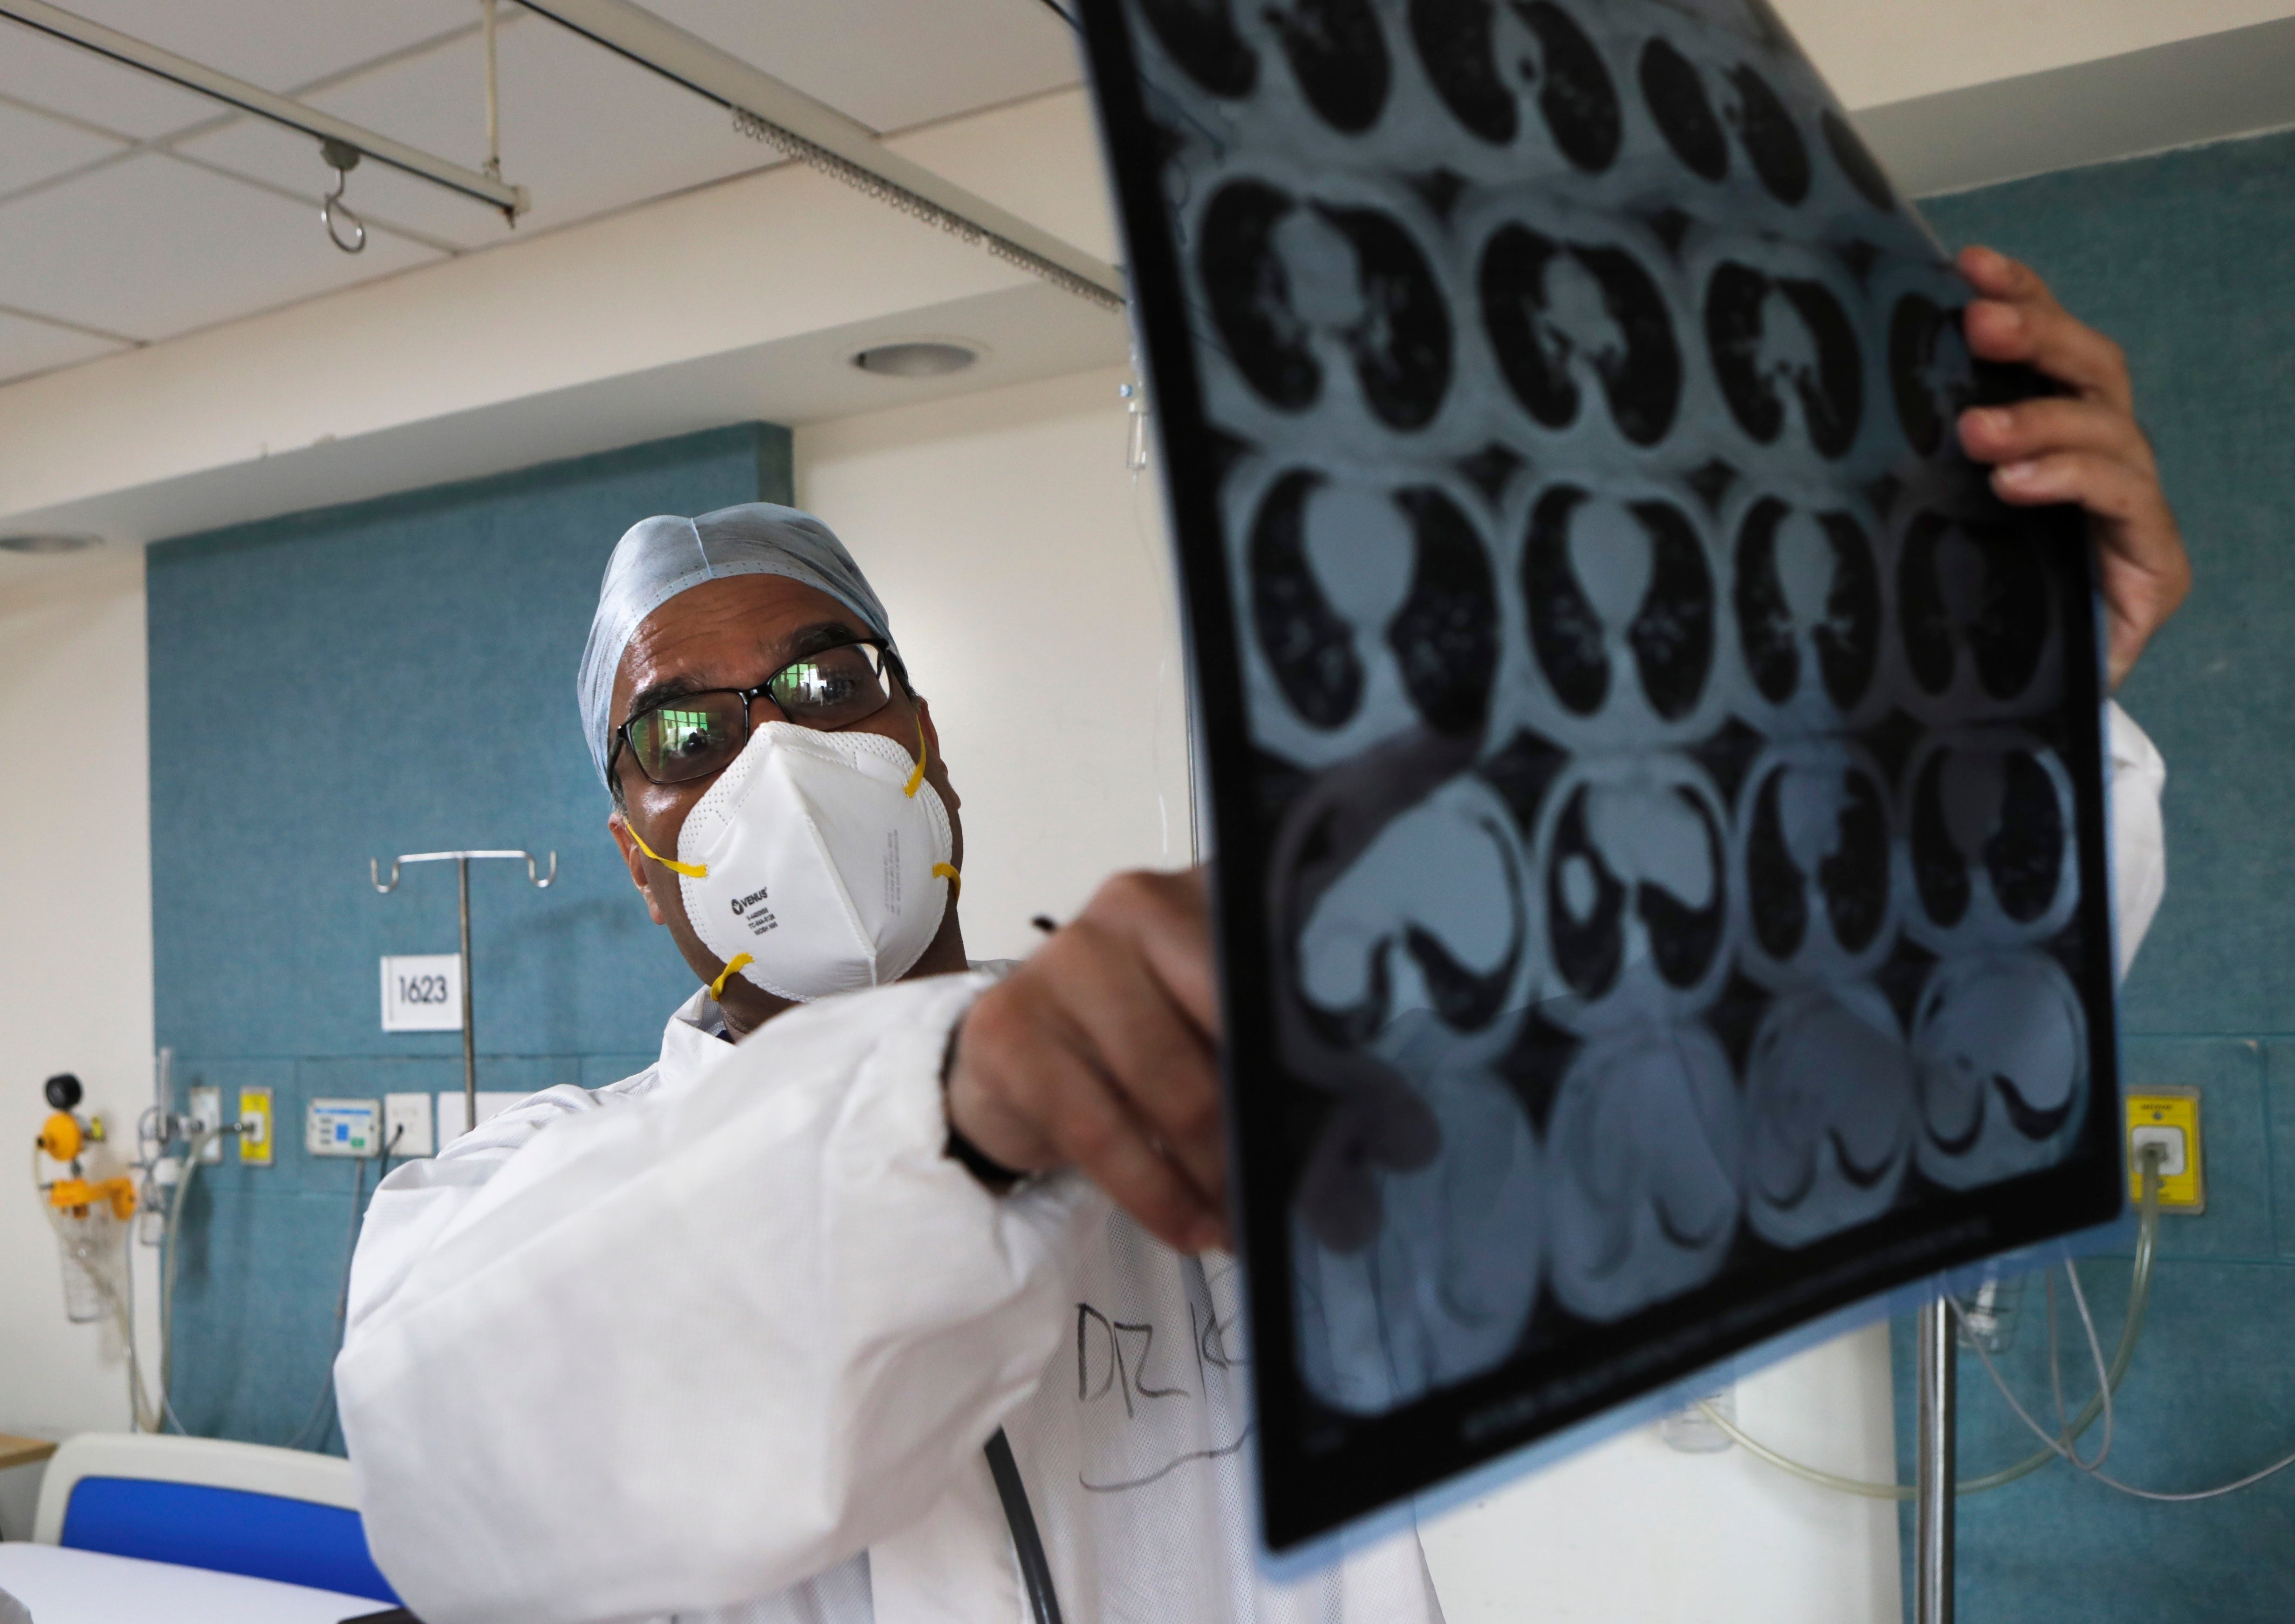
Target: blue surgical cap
[{"x": 659, "y": 557}]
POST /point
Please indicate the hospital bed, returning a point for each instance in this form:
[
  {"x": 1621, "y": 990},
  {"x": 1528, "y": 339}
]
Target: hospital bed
[{"x": 194, "y": 1529}]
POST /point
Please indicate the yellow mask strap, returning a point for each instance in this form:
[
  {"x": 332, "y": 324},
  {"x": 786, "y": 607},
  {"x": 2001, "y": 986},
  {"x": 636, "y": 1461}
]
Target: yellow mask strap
[
  {"x": 946, "y": 871},
  {"x": 691, "y": 870},
  {"x": 717, "y": 987},
  {"x": 918, "y": 776}
]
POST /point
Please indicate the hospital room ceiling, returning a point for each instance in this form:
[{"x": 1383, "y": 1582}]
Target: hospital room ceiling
[
  {"x": 132, "y": 211},
  {"x": 181, "y": 347}
]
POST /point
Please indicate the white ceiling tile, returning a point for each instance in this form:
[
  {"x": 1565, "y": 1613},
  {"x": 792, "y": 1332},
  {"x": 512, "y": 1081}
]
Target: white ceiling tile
[
  {"x": 152, "y": 247},
  {"x": 28, "y": 346},
  {"x": 893, "y": 64},
  {"x": 280, "y": 44},
  {"x": 34, "y": 147},
  {"x": 44, "y": 72}
]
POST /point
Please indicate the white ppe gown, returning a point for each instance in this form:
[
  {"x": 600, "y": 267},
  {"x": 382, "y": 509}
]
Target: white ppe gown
[{"x": 724, "y": 1343}]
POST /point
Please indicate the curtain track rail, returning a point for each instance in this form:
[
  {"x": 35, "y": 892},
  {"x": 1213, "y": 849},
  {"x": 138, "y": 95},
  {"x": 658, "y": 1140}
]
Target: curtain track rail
[{"x": 254, "y": 99}]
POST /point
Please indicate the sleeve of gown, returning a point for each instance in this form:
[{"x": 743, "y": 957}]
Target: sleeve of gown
[
  {"x": 691, "y": 1349},
  {"x": 2139, "y": 848}
]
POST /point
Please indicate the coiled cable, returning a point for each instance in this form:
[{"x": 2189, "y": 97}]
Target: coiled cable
[{"x": 2139, "y": 1293}]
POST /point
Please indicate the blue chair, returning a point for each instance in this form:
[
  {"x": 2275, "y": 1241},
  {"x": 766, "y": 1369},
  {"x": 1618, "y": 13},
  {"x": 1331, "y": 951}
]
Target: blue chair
[{"x": 207, "y": 1503}]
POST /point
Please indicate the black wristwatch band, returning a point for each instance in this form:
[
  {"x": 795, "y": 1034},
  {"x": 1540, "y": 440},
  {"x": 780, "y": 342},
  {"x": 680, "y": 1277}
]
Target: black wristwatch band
[{"x": 991, "y": 1173}]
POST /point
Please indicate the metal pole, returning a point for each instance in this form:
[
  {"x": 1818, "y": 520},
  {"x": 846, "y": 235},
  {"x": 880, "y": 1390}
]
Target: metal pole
[
  {"x": 469, "y": 1018},
  {"x": 1935, "y": 1469}
]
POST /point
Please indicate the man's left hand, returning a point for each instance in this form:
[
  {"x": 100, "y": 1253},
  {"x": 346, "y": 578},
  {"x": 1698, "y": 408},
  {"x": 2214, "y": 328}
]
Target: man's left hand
[{"x": 2083, "y": 447}]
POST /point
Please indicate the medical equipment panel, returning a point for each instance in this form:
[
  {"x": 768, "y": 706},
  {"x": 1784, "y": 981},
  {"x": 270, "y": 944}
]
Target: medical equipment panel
[{"x": 343, "y": 1127}]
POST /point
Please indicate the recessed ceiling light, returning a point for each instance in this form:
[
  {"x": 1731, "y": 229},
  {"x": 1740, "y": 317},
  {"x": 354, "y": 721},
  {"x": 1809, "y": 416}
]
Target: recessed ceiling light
[
  {"x": 915, "y": 360},
  {"x": 50, "y": 541}
]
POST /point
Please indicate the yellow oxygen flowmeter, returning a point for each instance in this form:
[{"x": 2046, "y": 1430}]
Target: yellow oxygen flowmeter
[{"x": 62, "y": 1137}]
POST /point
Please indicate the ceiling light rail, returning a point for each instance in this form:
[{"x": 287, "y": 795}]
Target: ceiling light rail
[
  {"x": 337, "y": 134},
  {"x": 817, "y": 134}
]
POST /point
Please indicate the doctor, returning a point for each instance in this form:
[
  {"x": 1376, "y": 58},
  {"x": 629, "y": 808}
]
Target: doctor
[{"x": 725, "y": 1340}]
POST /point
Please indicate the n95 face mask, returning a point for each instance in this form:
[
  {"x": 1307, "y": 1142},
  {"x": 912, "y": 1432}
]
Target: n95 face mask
[{"x": 817, "y": 862}]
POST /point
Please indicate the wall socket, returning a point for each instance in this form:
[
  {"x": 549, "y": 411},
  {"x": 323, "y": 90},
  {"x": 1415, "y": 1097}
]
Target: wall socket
[
  {"x": 206, "y": 1111},
  {"x": 406, "y": 1125}
]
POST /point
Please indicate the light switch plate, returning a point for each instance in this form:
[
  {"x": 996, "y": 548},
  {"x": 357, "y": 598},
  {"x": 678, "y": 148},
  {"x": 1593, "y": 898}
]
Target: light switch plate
[
  {"x": 255, "y": 1127},
  {"x": 453, "y": 1110},
  {"x": 2158, "y": 1115},
  {"x": 406, "y": 1125},
  {"x": 204, "y": 1107},
  {"x": 343, "y": 1127}
]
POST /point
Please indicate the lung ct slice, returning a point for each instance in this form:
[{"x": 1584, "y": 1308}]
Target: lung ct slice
[
  {"x": 1698, "y": 129},
  {"x": 1633, "y": 867},
  {"x": 1308, "y": 645},
  {"x": 1808, "y": 597},
  {"x": 1453, "y": 38},
  {"x": 1338, "y": 56},
  {"x": 1461, "y": 43},
  {"x": 1401, "y": 343},
  {"x": 1991, "y": 833},
  {"x": 1201, "y": 36},
  {"x": 1398, "y": 336},
  {"x": 1969, "y": 593},
  {"x": 1829, "y": 1113},
  {"x": 1817, "y": 834},
  {"x": 1250, "y": 293},
  {"x": 2001, "y": 1046},
  {"x": 1445, "y": 637},
  {"x": 1684, "y": 114},
  {"x": 1578, "y": 99},
  {"x": 1544, "y": 340},
  {"x": 1766, "y": 128},
  {"x": 1929, "y": 370},
  {"x": 1644, "y": 1169},
  {"x": 1612, "y": 583},
  {"x": 1746, "y": 311}
]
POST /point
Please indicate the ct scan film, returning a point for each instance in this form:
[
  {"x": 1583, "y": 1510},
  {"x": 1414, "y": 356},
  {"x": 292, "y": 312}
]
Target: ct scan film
[{"x": 1658, "y": 789}]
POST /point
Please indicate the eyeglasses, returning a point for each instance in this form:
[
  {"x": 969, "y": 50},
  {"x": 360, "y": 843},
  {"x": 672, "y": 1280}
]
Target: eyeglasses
[{"x": 697, "y": 734}]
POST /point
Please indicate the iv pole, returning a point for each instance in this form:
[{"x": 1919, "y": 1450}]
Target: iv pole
[
  {"x": 463, "y": 861},
  {"x": 1934, "y": 1468}
]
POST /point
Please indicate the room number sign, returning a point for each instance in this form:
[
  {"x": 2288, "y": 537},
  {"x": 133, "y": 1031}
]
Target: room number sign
[{"x": 422, "y": 993}]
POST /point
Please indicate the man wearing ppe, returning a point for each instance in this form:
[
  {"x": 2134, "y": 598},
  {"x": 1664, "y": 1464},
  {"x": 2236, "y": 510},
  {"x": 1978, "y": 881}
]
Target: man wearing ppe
[{"x": 727, "y": 1341}]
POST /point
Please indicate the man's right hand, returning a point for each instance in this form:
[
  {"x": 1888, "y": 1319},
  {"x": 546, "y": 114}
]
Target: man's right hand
[{"x": 1100, "y": 1053}]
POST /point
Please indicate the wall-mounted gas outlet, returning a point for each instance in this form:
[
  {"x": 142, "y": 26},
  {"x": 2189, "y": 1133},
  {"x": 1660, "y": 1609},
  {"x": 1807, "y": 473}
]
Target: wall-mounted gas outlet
[
  {"x": 255, "y": 1127},
  {"x": 2170, "y": 1119},
  {"x": 206, "y": 1111}
]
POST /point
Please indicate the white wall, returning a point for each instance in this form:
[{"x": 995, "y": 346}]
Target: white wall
[
  {"x": 1634, "y": 1532},
  {"x": 75, "y": 957},
  {"x": 1873, "y": 52},
  {"x": 1023, "y": 567}
]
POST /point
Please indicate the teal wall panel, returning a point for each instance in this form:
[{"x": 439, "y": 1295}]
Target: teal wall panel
[
  {"x": 331, "y": 686},
  {"x": 2188, "y": 260}
]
